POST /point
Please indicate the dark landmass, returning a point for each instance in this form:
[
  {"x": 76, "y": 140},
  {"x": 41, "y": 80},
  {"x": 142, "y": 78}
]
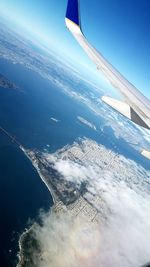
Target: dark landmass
[
  {"x": 27, "y": 241},
  {"x": 67, "y": 196},
  {"x": 5, "y": 83}
]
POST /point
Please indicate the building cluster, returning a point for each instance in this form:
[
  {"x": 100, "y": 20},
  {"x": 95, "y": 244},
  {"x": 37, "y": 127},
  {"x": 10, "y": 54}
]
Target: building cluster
[
  {"x": 78, "y": 201},
  {"x": 80, "y": 208}
]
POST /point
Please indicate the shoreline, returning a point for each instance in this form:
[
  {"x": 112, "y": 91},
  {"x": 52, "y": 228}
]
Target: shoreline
[
  {"x": 20, "y": 253},
  {"x": 40, "y": 175}
]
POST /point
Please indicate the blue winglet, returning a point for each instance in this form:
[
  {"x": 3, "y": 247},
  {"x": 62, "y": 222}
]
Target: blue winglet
[{"x": 73, "y": 11}]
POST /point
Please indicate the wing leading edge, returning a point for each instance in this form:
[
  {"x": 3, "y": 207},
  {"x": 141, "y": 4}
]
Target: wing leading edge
[
  {"x": 135, "y": 99},
  {"x": 136, "y": 106}
]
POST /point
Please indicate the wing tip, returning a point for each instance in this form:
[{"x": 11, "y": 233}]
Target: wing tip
[
  {"x": 146, "y": 154},
  {"x": 72, "y": 12}
]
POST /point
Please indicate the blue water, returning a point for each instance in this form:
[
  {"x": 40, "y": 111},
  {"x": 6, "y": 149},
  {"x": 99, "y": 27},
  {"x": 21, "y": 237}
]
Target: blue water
[
  {"x": 26, "y": 114},
  {"x": 22, "y": 194}
]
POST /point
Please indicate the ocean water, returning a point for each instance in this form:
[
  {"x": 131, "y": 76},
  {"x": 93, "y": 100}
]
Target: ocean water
[
  {"x": 22, "y": 195},
  {"x": 26, "y": 114}
]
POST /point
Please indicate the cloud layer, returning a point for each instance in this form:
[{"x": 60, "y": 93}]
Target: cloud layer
[
  {"x": 66, "y": 242},
  {"x": 123, "y": 234}
]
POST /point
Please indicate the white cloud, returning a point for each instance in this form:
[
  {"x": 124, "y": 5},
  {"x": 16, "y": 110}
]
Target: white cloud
[
  {"x": 54, "y": 119},
  {"x": 122, "y": 186},
  {"x": 87, "y": 123},
  {"x": 66, "y": 242}
]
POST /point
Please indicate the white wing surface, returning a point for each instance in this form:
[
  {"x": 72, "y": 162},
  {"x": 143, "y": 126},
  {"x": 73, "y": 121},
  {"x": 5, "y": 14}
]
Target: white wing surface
[{"x": 136, "y": 106}]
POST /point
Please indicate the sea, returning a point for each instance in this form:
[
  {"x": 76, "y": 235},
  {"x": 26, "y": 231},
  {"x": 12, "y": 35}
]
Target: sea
[{"x": 26, "y": 114}]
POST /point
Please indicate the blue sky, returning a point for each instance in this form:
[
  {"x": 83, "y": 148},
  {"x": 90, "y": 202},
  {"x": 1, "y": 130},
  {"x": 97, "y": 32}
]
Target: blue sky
[{"x": 119, "y": 29}]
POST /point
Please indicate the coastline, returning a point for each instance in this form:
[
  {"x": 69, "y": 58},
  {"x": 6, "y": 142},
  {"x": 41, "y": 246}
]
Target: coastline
[
  {"x": 20, "y": 253},
  {"x": 41, "y": 176}
]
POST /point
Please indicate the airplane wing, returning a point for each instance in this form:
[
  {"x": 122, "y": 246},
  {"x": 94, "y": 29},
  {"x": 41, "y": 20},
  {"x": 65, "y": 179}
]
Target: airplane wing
[{"x": 135, "y": 106}]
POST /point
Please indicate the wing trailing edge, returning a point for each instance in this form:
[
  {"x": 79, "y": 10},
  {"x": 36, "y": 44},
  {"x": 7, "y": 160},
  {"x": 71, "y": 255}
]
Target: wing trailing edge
[
  {"x": 140, "y": 105},
  {"x": 125, "y": 110},
  {"x": 136, "y": 106}
]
